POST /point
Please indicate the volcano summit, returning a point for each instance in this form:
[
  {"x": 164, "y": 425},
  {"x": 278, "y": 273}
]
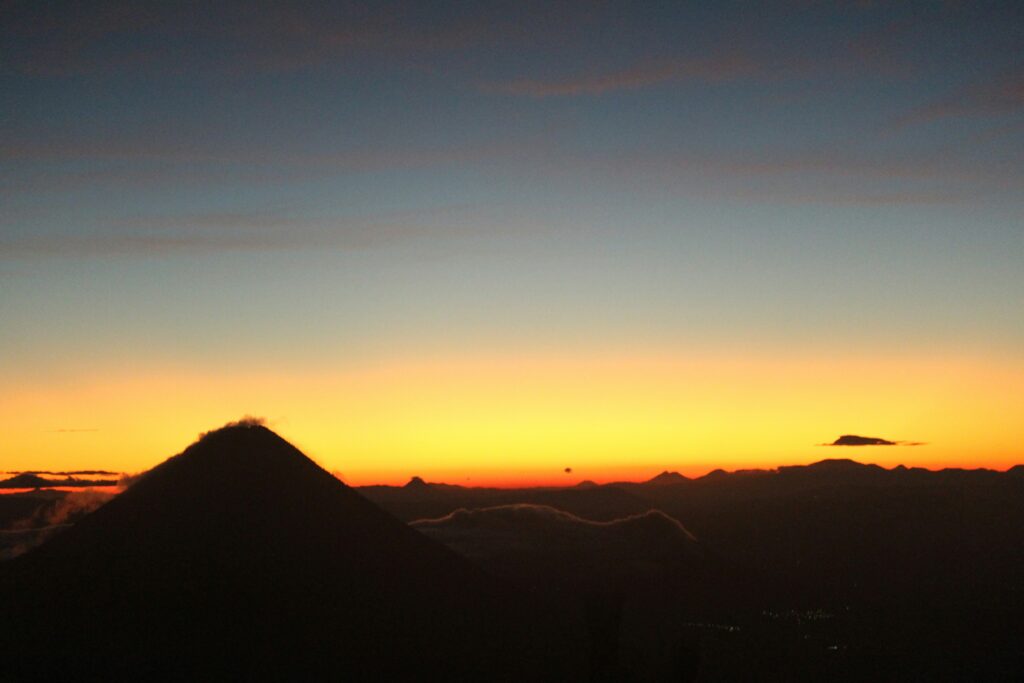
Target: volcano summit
[{"x": 242, "y": 558}]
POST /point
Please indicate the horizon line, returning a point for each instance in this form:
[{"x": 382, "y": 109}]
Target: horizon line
[{"x": 542, "y": 483}]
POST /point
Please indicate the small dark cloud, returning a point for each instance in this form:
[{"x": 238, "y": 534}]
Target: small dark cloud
[
  {"x": 568, "y": 470},
  {"x": 856, "y": 440}
]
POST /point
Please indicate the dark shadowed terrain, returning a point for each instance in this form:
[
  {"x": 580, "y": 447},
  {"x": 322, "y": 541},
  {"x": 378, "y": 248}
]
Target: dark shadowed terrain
[
  {"x": 241, "y": 558},
  {"x": 837, "y": 569}
]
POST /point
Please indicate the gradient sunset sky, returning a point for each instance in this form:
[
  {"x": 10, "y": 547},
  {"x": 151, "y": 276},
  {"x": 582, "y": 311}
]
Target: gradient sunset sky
[{"x": 484, "y": 243}]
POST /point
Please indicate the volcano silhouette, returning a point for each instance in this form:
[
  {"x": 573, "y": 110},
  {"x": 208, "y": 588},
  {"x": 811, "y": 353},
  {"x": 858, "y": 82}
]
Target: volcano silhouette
[{"x": 241, "y": 558}]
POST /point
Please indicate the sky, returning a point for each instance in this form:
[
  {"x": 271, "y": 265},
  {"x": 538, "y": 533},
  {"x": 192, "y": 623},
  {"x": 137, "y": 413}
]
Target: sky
[{"x": 490, "y": 242}]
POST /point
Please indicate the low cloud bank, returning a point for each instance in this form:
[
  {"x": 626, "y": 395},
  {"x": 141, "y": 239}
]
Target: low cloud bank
[
  {"x": 71, "y": 473},
  {"x": 541, "y": 543},
  {"x": 25, "y": 534}
]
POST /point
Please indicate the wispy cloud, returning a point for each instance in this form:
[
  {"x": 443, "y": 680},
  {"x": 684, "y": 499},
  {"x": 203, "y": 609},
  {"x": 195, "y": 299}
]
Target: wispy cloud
[
  {"x": 226, "y": 232},
  {"x": 645, "y": 74},
  {"x": 54, "y": 162},
  {"x": 47, "y": 145},
  {"x": 241, "y": 38},
  {"x": 1002, "y": 95},
  {"x": 878, "y": 50},
  {"x": 133, "y": 244},
  {"x": 834, "y": 177},
  {"x": 853, "y": 199}
]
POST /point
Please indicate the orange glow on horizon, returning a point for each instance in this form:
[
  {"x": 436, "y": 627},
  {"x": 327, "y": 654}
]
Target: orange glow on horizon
[{"x": 522, "y": 420}]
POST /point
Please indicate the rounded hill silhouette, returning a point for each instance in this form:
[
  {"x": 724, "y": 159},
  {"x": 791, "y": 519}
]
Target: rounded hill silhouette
[{"x": 241, "y": 558}]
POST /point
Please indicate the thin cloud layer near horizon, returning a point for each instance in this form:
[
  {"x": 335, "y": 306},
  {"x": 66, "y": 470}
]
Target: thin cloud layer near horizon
[{"x": 484, "y": 243}]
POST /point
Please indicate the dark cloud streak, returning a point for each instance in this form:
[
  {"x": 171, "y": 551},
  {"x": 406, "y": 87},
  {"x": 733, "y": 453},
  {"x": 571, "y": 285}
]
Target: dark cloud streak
[
  {"x": 999, "y": 96},
  {"x": 854, "y": 440},
  {"x": 66, "y": 474},
  {"x": 707, "y": 70},
  {"x": 246, "y": 38},
  {"x": 247, "y": 232}
]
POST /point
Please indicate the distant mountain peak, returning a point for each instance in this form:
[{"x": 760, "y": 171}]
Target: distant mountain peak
[
  {"x": 838, "y": 463},
  {"x": 417, "y": 483},
  {"x": 667, "y": 477}
]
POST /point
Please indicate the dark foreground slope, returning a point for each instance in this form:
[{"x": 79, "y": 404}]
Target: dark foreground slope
[
  {"x": 241, "y": 558},
  {"x": 830, "y": 571}
]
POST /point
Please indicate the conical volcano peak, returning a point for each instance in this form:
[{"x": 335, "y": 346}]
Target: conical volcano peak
[
  {"x": 248, "y": 434},
  {"x": 240, "y": 549},
  {"x": 667, "y": 477},
  {"x": 242, "y": 454}
]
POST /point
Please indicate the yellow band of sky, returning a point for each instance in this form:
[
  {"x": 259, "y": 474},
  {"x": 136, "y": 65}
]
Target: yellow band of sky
[{"x": 524, "y": 419}]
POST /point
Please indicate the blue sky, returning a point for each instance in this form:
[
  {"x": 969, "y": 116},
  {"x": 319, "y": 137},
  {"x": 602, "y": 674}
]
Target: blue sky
[{"x": 236, "y": 184}]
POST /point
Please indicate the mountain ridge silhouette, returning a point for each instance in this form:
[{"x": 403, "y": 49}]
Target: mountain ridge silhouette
[{"x": 240, "y": 557}]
